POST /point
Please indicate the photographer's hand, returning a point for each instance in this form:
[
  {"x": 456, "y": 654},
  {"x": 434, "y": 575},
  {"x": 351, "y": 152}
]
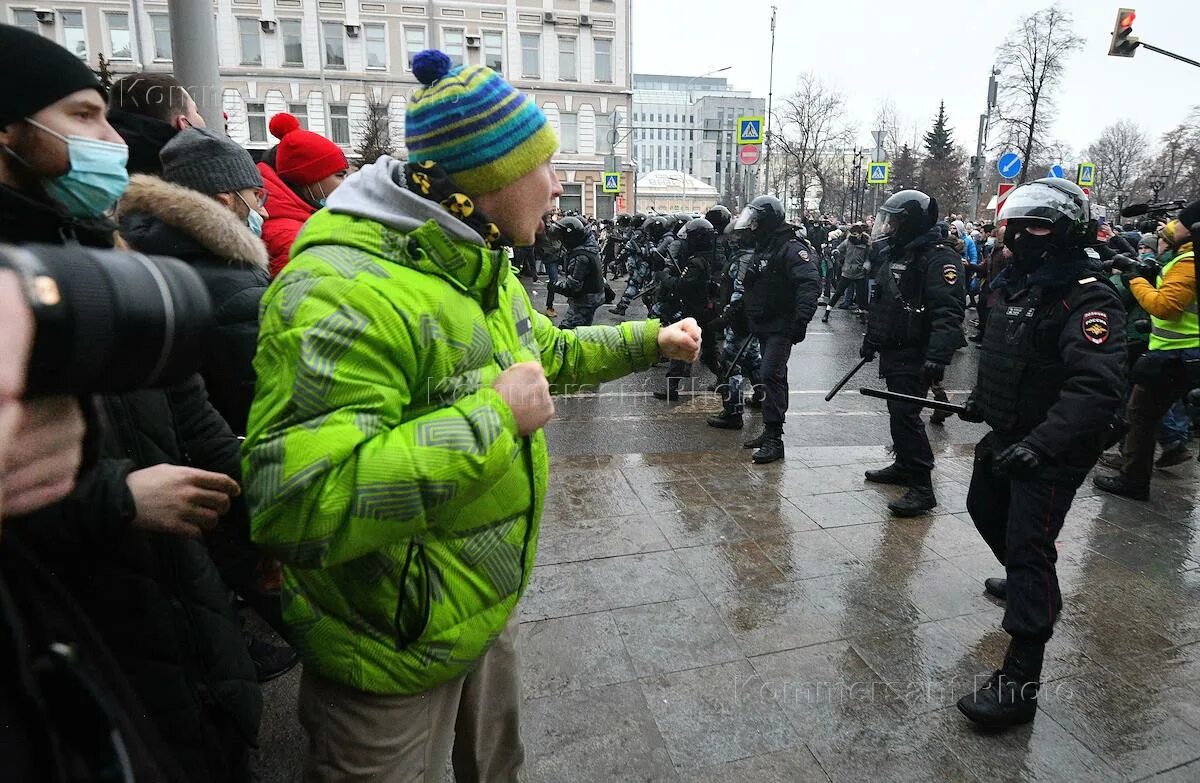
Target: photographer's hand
[
  {"x": 180, "y": 500},
  {"x": 44, "y": 455}
]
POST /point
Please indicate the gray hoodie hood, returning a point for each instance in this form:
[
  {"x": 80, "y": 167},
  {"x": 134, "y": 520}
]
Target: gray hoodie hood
[{"x": 379, "y": 192}]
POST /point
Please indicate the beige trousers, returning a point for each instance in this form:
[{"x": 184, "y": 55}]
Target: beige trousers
[{"x": 360, "y": 737}]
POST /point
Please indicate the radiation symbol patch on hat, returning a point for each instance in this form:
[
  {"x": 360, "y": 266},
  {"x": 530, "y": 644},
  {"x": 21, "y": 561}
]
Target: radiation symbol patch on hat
[
  {"x": 950, "y": 274},
  {"x": 1095, "y": 327}
]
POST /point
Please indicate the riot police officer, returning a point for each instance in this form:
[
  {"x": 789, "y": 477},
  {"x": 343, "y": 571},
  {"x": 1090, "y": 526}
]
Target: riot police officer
[
  {"x": 782, "y": 286},
  {"x": 1050, "y": 387},
  {"x": 684, "y": 290},
  {"x": 582, "y": 279},
  {"x": 915, "y": 324},
  {"x": 740, "y": 357},
  {"x": 720, "y": 288},
  {"x": 641, "y": 264}
]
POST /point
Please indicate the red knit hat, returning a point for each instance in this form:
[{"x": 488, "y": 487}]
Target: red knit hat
[{"x": 304, "y": 157}]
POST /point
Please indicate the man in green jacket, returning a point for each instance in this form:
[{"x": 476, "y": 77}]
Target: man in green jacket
[{"x": 395, "y": 459}]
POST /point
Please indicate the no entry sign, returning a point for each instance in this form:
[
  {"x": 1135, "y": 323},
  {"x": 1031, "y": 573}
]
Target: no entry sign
[{"x": 748, "y": 154}]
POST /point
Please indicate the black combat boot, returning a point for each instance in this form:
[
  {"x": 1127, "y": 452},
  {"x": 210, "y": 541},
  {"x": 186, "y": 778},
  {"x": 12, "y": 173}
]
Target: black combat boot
[
  {"x": 756, "y": 399},
  {"x": 997, "y": 587},
  {"x": 918, "y": 500},
  {"x": 618, "y": 309},
  {"x": 1009, "y": 697},
  {"x": 772, "y": 445},
  {"x": 671, "y": 393},
  {"x": 825, "y": 318},
  {"x": 726, "y": 420},
  {"x": 892, "y": 474},
  {"x": 1119, "y": 485}
]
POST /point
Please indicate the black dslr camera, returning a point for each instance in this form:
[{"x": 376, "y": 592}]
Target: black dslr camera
[{"x": 108, "y": 321}]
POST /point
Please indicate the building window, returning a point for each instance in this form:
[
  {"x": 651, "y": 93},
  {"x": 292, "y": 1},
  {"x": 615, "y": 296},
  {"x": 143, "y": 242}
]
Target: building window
[
  {"x": 162, "y": 36},
  {"x": 569, "y": 131},
  {"x": 453, "y": 45},
  {"x": 251, "y": 40},
  {"x": 414, "y": 41},
  {"x": 531, "y": 55},
  {"x": 571, "y": 198},
  {"x": 335, "y": 44},
  {"x": 119, "y": 41},
  {"x": 566, "y": 59},
  {"x": 376, "y": 35},
  {"x": 300, "y": 112},
  {"x": 26, "y": 19},
  {"x": 339, "y": 123},
  {"x": 603, "y": 60},
  {"x": 256, "y": 118},
  {"x": 74, "y": 36},
  {"x": 292, "y": 35},
  {"x": 493, "y": 51}
]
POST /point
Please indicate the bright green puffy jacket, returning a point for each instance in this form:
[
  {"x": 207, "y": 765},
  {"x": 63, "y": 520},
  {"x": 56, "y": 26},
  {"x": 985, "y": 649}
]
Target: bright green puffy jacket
[{"x": 381, "y": 467}]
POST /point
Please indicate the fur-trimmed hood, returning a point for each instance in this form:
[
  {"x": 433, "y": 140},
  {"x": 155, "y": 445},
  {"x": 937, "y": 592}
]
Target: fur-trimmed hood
[{"x": 200, "y": 217}]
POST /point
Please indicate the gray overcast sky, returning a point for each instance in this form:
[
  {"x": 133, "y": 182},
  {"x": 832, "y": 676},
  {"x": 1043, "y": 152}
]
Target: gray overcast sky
[{"x": 920, "y": 52}]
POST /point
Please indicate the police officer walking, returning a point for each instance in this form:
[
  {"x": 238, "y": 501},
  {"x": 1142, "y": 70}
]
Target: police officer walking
[
  {"x": 582, "y": 279},
  {"x": 782, "y": 286},
  {"x": 915, "y": 325},
  {"x": 634, "y": 255},
  {"x": 740, "y": 356},
  {"x": 1050, "y": 387},
  {"x": 685, "y": 290}
]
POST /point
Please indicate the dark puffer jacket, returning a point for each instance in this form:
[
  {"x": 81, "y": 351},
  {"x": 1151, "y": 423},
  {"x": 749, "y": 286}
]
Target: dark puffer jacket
[
  {"x": 160, "y": 218},
  {"x": 157, "y": 599}
]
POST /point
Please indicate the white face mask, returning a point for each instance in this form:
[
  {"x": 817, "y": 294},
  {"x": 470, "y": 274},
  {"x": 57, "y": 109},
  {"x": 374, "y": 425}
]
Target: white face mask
[{"x": 254, "y": 221}]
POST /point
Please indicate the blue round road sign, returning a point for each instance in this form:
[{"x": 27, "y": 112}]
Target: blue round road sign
[
  {"x": 1057, "y": 171},
  {"x": 1009, "y": 165}
]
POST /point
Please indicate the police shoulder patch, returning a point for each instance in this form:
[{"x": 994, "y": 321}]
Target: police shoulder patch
[
  {"x": 1095, "y": 326},
  {"x": 950, "y": 274}
]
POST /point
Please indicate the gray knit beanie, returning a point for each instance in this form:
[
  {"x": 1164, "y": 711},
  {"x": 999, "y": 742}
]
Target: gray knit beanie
[{"x": 199, "y": 159}]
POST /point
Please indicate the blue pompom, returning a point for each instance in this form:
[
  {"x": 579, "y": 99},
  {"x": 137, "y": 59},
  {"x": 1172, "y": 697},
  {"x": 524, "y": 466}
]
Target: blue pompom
[{"x": 430, "y": 65}]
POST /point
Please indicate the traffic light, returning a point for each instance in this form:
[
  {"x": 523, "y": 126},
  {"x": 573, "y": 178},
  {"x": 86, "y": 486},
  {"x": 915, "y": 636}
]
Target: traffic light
[{"x": 1124, "y": 43}]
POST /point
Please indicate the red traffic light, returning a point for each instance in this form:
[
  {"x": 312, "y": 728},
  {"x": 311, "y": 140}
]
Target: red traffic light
[
  {"x": 1123, "y": 43},
  {"x": 1127, "y": 20}
]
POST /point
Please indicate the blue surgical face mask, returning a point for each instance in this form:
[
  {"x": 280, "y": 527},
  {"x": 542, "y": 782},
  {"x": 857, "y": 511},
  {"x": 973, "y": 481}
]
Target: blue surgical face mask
[
  {"x": 97, "y": 176},
  {"x": 254, "y": 221}
]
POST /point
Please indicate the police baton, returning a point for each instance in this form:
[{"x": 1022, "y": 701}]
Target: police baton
[
  {"x": 923, "y": 402},
  {"x": 734, "y": 362},
  {"x": 640, "y": 294},
  {"x": 846, "y": 379}
]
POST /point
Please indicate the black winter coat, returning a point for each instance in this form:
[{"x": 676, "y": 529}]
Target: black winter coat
[
  {"x": 28, "y": 218},
  {"x": 164, "y": 219},
  {"x": 782, "y": 286},
  {"x": 157, "y": 599},
  {"x": 582, "y": 271}
]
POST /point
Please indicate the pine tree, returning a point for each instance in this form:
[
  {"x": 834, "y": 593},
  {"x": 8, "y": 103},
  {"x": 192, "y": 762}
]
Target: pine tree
[
  {"x": 939, "y": 142},
  {"x": 944, "y": 170},
  {"x": 104, "y": 73}
]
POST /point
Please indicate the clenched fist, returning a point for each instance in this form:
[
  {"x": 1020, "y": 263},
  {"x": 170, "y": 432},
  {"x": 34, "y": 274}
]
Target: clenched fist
[
  {"x": 525, "y": 388},
  {"x": 680, "y": 340}
]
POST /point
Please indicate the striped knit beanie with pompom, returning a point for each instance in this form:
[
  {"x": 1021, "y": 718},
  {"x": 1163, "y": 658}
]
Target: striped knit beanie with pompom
[{"x": 481, "y": 130}]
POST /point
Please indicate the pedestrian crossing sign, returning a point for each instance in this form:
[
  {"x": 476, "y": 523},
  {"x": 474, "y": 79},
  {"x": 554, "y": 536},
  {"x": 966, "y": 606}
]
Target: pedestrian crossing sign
[
  {"x": 877, "y": 173},
  {"x": 749, "y": 130},
  {"x": 612, "y": 182},
  {"x": 1087, "y": 175}
]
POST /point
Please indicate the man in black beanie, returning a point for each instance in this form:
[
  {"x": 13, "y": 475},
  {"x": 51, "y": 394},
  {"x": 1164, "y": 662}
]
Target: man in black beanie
[
  {"x": 148, "y": 109},
  {"x": 62, "y": 166}
]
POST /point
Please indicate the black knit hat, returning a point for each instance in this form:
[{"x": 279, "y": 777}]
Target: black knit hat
[
  {"x": 37, "y": 72},
  {"x": 210, "y": 162}
]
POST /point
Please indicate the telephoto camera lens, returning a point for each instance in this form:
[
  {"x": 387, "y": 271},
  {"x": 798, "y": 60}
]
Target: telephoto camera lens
[{"x": 109, "y": 321}]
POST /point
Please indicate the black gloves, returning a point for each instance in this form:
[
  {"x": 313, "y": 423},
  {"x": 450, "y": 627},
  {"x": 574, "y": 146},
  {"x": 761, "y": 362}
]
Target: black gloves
[
  {"x": 971, "y": 410},
  {"x": 1018, "y": 461},
  {"x": 933, "y": 372},
  {"x": 867, "y": 351},
  {"x": 798, "y": 332}
]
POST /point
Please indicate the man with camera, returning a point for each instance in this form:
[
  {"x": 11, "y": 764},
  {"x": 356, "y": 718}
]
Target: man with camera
[
  {"x": 1171, "y": 365},
  {"x": 167, "y": 460}
]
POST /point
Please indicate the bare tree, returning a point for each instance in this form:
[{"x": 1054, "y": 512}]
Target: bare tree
[
  {"x": 1119, "y": 153},
  {"x": 813, "y": 125},
  {"x": 374, "y": 132},
  {"x": 1174, "y": 167},
  {"x": 1032, "y": 61}
]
